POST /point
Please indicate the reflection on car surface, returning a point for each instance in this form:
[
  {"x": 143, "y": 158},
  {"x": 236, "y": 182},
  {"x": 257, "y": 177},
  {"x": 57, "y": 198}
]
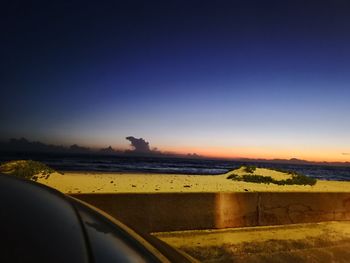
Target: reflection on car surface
[{"x": 40, "y": 224}]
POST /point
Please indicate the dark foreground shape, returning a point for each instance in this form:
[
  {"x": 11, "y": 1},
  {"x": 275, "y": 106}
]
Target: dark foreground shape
[{"x": 40, "y": 224}]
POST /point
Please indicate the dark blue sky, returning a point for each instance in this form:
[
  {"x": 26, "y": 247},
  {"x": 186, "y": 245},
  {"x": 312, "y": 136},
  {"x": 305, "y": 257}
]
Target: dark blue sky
[{"x": 229, "y": 78}]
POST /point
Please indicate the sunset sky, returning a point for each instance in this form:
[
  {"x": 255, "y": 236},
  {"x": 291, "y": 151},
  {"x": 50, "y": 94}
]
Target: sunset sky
[{"x": 259, "y": 79}]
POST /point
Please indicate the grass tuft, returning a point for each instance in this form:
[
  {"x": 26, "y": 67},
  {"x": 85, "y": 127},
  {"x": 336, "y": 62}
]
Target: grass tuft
[
  {"x": 249, "y": 168},
  {"x": 27, "y": 169},
  {"x": 296, "y": 178},
  {"x": 232, "y": 176}
]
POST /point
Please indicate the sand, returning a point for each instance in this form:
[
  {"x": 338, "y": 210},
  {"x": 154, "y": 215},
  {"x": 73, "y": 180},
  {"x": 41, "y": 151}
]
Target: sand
[
  {"x": 89, "y": 182},
  {"x": 313, "y": 242}
]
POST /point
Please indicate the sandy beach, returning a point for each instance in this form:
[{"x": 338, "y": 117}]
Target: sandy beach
[{"x": 90, "y": 182}]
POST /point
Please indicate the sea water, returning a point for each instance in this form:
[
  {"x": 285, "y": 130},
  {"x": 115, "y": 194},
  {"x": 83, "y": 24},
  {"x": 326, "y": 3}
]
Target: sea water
[{"x": 169, "y": 165}]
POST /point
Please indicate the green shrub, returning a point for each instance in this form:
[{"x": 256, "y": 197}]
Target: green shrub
[
  {"x": 302, "y": 180},
  {"x": 257, "y": 179},
  {"x": 297, "y": 179},
  {"x": 31, "y": 170},
  {"x": 232, "y": 176},
  {"x": 249, "y": 168}
]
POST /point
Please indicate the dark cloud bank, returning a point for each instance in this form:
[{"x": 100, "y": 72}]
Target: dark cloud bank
[{"x": 140, "y": 147}]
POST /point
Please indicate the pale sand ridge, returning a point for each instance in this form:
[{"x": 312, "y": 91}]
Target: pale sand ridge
[{"x": 89, "y": 182}]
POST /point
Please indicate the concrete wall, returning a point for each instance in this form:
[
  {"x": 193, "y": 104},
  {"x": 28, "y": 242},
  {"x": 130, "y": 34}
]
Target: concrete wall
[
  {"x": 290, "y": 208},
  {"x": 185, "y": 211}
]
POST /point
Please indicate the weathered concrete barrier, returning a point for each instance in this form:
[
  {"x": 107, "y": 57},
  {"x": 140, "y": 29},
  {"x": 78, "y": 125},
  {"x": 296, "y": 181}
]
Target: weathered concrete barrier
[
  {"x": 185, "y": 211},
  {"x": 291, "y": 208}
]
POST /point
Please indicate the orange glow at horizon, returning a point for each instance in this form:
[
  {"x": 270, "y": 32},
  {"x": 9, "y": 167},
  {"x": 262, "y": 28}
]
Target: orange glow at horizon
[
  {"x": 308, "y": 153},
  {"x": 317, "y": 155}
]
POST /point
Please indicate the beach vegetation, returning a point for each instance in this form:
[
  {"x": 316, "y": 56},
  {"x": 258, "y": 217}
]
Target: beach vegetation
[
  {"x": 232, "y": 176},
  {"x": 249, "y": 168},
  {"x": 27, "y": 169},
  {"x": 296, "y": 179}
]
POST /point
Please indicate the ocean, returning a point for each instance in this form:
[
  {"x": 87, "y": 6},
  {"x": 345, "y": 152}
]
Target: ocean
[{"x": 167, "y": 165}]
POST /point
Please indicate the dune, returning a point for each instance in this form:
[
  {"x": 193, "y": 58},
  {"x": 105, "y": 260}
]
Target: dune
[{"x": 93, "y": 182}]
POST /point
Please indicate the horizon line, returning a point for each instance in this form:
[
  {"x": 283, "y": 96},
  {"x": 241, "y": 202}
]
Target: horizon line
[{"x": 159, "y": 153}]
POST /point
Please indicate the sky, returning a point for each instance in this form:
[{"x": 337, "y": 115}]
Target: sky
[{"x": 257, "y": 79}]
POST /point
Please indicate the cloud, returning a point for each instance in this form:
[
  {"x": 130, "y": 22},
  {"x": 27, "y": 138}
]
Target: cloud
[
  {"x": 139, "y": 145},
  {"x": 345, "y": 153}
]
